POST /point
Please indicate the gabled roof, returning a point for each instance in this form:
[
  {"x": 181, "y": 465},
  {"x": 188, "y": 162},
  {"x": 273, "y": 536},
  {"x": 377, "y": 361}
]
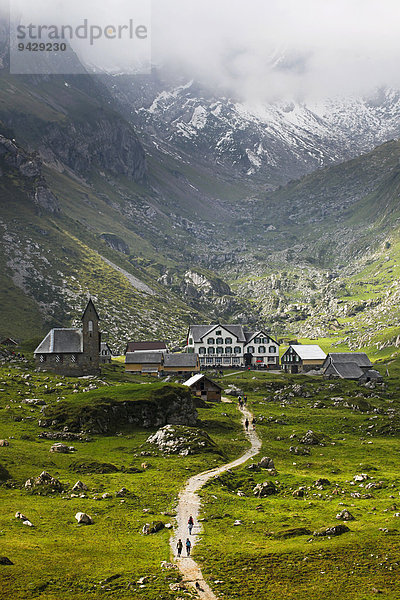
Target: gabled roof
[
  {"x": 60, "y": 341},
  {"x": 105, "y": 346},
  {"x": 90, "y": 305},
  {"x": 139, "y": 358},
  {"x": 250, "y": 335},
  {"x": 308, "y": 351},
  {"x": 180, "y": 360},
  {"x": 372, "y": 374},
  {"x": 145, "y": 346},
  {"x": 199, "y": 332},
  {"x": 9, "y": 341},
  {"x": 346, "y": 370},
  {"x": 360, "y": 358},
  {"x": 198, "y": 377}
]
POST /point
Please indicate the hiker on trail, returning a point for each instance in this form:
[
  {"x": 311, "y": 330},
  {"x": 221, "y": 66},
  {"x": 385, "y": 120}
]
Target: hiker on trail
[
  {"x": 245, "y": 400},
  {"x": 190, "y": 524},
  {"x": 179, "y": 546},
  {"x": 240, "y": 402},
  {"x": 188, "y": 546},
  {"x": 246, "y": 424},
  {"x": 253, "y": 423}
]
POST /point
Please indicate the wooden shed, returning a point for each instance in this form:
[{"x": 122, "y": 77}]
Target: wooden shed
[{"x": 204, "y": 387}]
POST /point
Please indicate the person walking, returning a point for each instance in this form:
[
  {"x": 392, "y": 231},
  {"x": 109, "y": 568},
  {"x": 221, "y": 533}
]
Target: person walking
[
  {"x": 188, "y": 546},
  {"x": 179, "y": 546},
  {"x": 190, "y": 524},
  {"x": 246, "y": 424},
  {"x": 245, "y": 400},
  {"x": 253, "y": 423}
]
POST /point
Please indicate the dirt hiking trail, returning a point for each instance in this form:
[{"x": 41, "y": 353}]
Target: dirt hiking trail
[{"x": 189, "y": 504}]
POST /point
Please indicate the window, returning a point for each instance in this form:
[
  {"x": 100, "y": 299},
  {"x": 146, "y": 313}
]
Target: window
[
  {"x": 190, "y": 341},
  {"x": 210, "y": 361},
  {"x": 42, "y": 358},
  {"x": 236, "y": 361},
  {"x": 218, "y": 361},
  {"x": 228, "y": 341},
  {"x": 271, "y": 359},
  {"x": 220, "y": 341},
  {"x": 90, "y": 327},
  {"x": 272, "y": 349},
  {"x": 210, "y": 341},
  {"x": 257, "y": 340},
  {"x": 261, "y": 350},
  {"x": 228, "y": 350},
  {"x": 220, "y": 350},
  {"x": 237, "y": 350},
  {"x": 202, "y": 350},
  {"x": 211, "y": 351},
  {"x": 250, "y": 349},
  {"x": 218, "y": 333},
  {"x": 58, "y": 358},
  {"x": 264, "y": 340},
  {"x": 73, "y": 358},
  {"x": 227, "y": 361},
  {"x": 202, "y": 361}
]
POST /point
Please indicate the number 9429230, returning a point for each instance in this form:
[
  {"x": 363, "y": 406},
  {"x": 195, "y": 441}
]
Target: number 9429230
[{"x": 42, "y": 47}]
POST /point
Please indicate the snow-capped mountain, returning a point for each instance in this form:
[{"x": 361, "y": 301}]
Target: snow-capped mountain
[{"x": 272, "y": 143}]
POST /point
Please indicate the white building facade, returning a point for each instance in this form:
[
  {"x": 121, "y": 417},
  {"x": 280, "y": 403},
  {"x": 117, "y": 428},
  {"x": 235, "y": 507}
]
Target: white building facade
[{"x": 220, "y": 346}]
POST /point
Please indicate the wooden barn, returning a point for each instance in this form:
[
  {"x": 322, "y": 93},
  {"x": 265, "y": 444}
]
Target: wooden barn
[{"x": 202, "y": 386}]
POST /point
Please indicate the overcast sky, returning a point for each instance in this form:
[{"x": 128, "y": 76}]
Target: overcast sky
[{"x": 268, "y": 49}]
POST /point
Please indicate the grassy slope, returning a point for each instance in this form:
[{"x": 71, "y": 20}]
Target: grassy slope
[
  {"x": 57, "y": 558},
  {"x": 254, "y": 560}
]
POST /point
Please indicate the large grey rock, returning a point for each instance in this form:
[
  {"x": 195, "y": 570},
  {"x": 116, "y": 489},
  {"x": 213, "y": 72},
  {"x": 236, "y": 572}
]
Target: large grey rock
[
  {"x": 268, "y": 488},
  {"x": 332, "y": 531},
  {"x": 80, "y": 487},
  {"x": 345, "y": 515},
  {"x": 44, "y": 480},
  {"x": 266, "y": 463},
  {"x": 311, "y": 438},
  {"x": 83, "y": 518},
  {"x": 178, "y": 439},
  {"x": 62, "y": 448}
]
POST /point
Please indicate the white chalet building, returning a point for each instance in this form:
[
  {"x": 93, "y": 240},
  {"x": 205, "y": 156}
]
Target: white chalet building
[{"x": 232, "y": 346}]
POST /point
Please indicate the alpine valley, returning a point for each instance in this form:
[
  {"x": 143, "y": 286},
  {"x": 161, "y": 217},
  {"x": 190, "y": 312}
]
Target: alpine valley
[{"x": 171, "y": 204}]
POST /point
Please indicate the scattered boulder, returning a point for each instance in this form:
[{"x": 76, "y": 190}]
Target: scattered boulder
[
  {"x": 237, "y": 523},
  {"x": 44, "y": 483},
  {"x": 311, "y": 438},
  {"x": 321, "y": 482},
  {"x": 332, "y": 531},
  {"x": 19, "y": 515},
  {"x": 361, "y": 477},
  {"x": 345, "y": 515},
  {"x": 62, "y": 448},
  {"x": 80, "y": 487},
  {"x": 299, "y": 493},
  {"x": 28, "y": 523},
  {"x": 152, "y": 528},
  {"x": 122, "y": 493},
  {"x": 266, "y": 463},
  {"x": 182, "y": 440},
  {"x": 83, "y": 519},
  {"x": 268, "y": 488},
  {"x": 4, "y": 443},
  {"x": 5, "y": 561},
  {"x": 233, "y": 391}
]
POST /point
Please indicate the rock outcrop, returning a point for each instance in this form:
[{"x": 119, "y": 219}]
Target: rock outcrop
[{"x": 173, "y": 439}]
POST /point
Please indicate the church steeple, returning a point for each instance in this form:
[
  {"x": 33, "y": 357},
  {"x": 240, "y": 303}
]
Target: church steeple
[{"x": 91, "y": 336}]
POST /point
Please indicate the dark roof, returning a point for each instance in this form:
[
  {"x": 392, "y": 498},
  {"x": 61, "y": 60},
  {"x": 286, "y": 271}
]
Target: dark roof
[
  {"x": 90, "y": 305},
  {"x": 143, "y": 346},
  {"x": 346, "y": 370},
  {"x": 61, "y": 341},
  {"x": 180, "y": 360},
  {"x": 105, "y": 346},
  {"x": 239, "y": 331},
  {"x": 372, "y": 374},
  {"x": 360, "y": 358},
  {"x": 9, "y": 341},
  {"x": 140, "y": 358},
  {"x": 200, "y": 377}
]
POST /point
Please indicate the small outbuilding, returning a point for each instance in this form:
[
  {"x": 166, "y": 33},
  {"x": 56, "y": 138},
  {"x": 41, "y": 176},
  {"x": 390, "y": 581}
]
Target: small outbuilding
[
  {"x": 149, "y": 363},
  {"x": 203, "y": 387},
  {"x": 9, "y": 342},
  {"x": 347, "y": 365},
  {"x": 105, "y": 353},
  {"x": 301, "y": 358}
]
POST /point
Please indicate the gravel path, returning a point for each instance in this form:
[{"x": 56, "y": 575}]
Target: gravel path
[{"x": 189, "y": 504}]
